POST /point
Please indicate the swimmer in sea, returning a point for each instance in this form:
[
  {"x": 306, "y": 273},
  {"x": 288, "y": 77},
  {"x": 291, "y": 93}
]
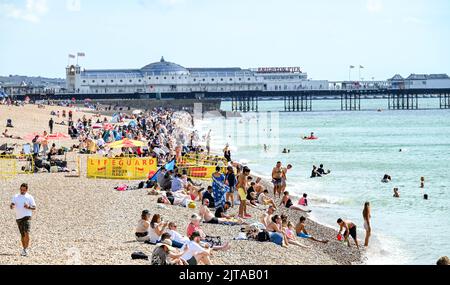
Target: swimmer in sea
[
  {"x": 422, "y": 182},
  {"x": 396, "y": 193}
]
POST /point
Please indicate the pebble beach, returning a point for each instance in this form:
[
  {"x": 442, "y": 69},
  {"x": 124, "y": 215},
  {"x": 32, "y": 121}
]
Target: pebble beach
[{"x": 85, "y": 221}]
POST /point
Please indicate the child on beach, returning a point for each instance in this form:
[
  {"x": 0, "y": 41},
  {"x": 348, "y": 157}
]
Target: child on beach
[
  {"x": 287, "y": 202},
  {"x": 301, "y": 232},
  {"x": 350, "y": 230}
]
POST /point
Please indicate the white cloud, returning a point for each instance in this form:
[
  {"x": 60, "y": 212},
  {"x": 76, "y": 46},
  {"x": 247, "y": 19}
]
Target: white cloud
[
  {"x": 374, "y": 6},
  {"x": 73, "y": 5},
  {"x": 32, "y": 12}
]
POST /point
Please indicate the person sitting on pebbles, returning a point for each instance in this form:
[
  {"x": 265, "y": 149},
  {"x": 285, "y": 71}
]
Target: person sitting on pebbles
[
  {"x": 208, "y": 217},
  {"x": 143, "y": 227},
  {"x": 209, "y": 241}
]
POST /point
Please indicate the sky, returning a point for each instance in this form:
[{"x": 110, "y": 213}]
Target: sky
[{"x": 323, "y": 37}]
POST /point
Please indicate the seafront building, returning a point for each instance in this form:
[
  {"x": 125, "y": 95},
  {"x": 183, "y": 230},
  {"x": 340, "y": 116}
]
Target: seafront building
[
  {"x": 168, "y": 77},
  {"x": 176, "y": 81}
]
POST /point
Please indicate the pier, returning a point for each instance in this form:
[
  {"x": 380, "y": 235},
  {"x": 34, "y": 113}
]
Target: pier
[{"x": 294, "y": 101}]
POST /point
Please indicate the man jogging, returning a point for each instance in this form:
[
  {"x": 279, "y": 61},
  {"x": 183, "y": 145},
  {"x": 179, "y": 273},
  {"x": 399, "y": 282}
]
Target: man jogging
[{"x": 24, "y": 205}]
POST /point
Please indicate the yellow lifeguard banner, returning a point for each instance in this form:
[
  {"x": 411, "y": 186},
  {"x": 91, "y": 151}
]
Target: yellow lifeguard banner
[{"x": 124, "y": 168}]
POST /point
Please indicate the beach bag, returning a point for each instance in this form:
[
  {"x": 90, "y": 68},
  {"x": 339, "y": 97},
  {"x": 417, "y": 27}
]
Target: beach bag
[
  {"x": 263, "y": 236},
  {"x": 139, "y": 255},
  {"x": 213, "y": 241}
]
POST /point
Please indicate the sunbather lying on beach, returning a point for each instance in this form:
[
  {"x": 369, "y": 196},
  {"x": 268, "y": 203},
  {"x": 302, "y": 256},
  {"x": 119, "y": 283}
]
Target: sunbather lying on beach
[
  {"x": 175, "y": 199},
  {"x": 301, "y": 232},
  {"x": 287, "y": 202},
  {"x": 209, "y": 218},
  {"x": 8, "y": 136}
]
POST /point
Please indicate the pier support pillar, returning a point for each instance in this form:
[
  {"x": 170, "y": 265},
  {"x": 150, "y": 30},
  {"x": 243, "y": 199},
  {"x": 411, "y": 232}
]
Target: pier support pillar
[
  {"x": 298, "y": 103},
  {"x": 403, "y": 101},
  {"x": 350, "y": 102},
  {"x": 444, "y": 101}
]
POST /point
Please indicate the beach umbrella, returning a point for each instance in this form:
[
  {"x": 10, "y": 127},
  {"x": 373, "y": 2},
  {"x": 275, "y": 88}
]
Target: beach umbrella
[
  {"x": 126, "y": 143},
  {"x": 87, "y": 100},
  {"x": 73, "y": 100},
  {"x": 58, "y": 136},
  {"x": 137, "y": 112}
]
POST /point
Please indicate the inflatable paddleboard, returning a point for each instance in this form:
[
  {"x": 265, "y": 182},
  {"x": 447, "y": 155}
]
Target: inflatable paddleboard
[{"x": 310, "y": 139}]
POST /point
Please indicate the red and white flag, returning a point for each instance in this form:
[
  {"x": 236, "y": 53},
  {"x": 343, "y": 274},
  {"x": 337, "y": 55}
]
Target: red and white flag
[{"x": 81, "y": 54}]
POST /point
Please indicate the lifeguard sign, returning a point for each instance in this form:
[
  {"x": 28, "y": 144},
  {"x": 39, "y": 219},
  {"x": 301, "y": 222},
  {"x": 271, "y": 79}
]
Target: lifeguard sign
[{"x": 125, "y": 168}]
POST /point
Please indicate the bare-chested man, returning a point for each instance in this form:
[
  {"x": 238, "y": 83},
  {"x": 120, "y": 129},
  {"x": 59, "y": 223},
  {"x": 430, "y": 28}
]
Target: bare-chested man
[
  {"x": 242, "y": 186},
  {"x": 277, "y": 180},
  {"x": 350, "y": 229}
]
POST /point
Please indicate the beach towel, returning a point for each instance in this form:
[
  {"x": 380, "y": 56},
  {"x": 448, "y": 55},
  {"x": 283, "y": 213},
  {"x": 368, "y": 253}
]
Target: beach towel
[{"x": 219, "y": 190}]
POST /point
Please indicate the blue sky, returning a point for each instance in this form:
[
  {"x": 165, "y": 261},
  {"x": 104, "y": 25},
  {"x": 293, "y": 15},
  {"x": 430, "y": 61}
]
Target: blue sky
[{"x": 323, "y": 37}]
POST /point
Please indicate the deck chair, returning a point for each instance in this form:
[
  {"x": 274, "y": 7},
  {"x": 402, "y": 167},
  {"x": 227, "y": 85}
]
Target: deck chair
[{"x": 27, "y": 149}]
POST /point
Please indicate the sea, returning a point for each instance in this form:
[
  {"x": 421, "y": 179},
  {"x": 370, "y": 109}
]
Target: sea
[{"x": 358, "y": 147}]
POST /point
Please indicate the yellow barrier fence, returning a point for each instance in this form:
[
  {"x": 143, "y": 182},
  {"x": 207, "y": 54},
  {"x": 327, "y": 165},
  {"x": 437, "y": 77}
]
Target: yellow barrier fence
[
  {"x": 124, "y": 168},
  {"x": 12, "y": 165},
  {"x": 200, "y": 171},
  {"x": 199, "y": 159}
]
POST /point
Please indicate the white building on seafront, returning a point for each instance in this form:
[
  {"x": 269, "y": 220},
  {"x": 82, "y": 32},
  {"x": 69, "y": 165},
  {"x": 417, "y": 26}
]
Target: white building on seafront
[
  {"x": 167, "y": 77},
  {"x": 420, "y": 81}
]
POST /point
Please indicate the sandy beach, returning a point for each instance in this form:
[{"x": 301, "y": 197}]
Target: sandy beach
[{"x": 85, "y": 221}]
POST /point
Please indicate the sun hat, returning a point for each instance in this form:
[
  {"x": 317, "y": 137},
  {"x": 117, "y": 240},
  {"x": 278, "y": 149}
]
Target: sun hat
[{"x": 166, "y": 242}]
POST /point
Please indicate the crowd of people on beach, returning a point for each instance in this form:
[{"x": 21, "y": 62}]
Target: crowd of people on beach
[{"x": 169, "y": 138}]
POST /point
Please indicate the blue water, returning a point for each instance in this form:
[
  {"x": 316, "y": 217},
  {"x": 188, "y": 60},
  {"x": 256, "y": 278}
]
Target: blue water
[{"x": 359, "y": 148}]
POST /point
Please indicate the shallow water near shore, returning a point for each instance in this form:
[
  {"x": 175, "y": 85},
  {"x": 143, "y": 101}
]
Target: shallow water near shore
[{"x": 359, "y": 148}]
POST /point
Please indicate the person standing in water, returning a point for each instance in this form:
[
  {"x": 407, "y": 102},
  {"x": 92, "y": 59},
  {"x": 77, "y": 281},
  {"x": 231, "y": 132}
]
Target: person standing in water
[
  {"x": 284, "y": 177},
  {"x": 227, "y": 153},
  {"x": 396, "y": 193},
  {"x": 277, "y": 172},
  {"x": 422, "y": 182},
  {"x": 367, "y": 225}
]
